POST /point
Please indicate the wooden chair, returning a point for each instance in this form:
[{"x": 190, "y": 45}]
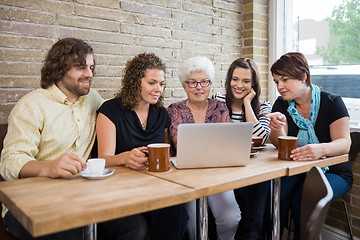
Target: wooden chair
[
  {"x": 315, "y": 203},
  {"x": 4, "y": 235}
]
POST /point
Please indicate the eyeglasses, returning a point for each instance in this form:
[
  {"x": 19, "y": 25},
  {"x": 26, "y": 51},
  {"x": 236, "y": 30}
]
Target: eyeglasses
[{"x": 194, "y": 84}]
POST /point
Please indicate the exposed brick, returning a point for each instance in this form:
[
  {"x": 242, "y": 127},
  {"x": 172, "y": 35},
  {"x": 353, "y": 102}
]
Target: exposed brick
[
  {"x": 110, "y": 59},
  {"x": 33, "y": 4},
  {"x": 199, "y": 27},
  {"x": 201, "y": 47},
  {"x": 192, "y": 36},
  {"x": 21, "y": 55},
  {"x": 19, "y": 82},
  {"x": 157, "y": 42},
  {"x": 145, "y": 9},
  {"x": 172, "y": 83},
  {"x": 235, "y": 16},
  {"x": 103, "y": 3},
  {"x": 109, "y": 82},
  {"x": 11, "y": 68},
  {"x": 107, "y": 93},
  {"x": 157, "y": 22},
  {"x": 18, "y": 14},
  {"x": 224, "y": 40},
  {"x": 103, "y": 13},
  {"x": 25, "y": 42},
  {"x": 334, "y": 222},
  {"x": 104, "y": 37},
  {"x": 198, "y": 8},
  {"x": 231, "y": 6},
  {"x": 30, "y": 29},
  {"x": 179, "y": 93},
  {"x": 260, "y": 59},
  {"x": 222, "y": 22},
  {"x": 184, "y": 17},
  {"x": 12, "y": 95},
  {"x": 137, "y": 29},
  {"x": 231, "y": 49},
  {"x": 203, "y": 2},
  {"x": 260, "y": 25},
  {"x": 5, "y": 109},
  {"x": 108, "y": 48},
  {"x": 108, "y": 71},
  {"x": 81, "y": 22},
  {"x": 63, "y": 7},
  {"x": 262, "y": 2},
  {"x": 259, "y": 8},
  {"x": 356, "y": 222},
  {"x": 163, "y": 3}
]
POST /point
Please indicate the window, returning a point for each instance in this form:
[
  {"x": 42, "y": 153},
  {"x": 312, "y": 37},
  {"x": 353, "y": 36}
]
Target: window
[{"x": 327, "y": 33}]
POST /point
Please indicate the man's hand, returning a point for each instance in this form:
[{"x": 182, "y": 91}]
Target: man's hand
[{"x": 66, "y": 166}]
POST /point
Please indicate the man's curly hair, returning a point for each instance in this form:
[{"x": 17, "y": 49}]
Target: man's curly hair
[
  {"x": 131, "y": 82},
  {"x": 63, "y": 55}
]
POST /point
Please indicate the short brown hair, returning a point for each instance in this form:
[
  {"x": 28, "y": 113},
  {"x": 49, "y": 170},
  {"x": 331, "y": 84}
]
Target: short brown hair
[
  {"x": 131, "y": 82},
  {"x": 63, "y": 55},
  {"x": 292, "y": 65}
]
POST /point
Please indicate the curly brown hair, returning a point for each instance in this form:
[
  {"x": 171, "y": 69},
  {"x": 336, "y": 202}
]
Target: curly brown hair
[
  {"x": 131, "y": 82},
  {"x": 63, "y": 55}
]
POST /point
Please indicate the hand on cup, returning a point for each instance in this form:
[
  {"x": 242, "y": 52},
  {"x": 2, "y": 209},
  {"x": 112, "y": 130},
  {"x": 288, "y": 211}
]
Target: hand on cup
[
  {"x": 158, "y": 155},
  {"x": 285, "y": 145}
]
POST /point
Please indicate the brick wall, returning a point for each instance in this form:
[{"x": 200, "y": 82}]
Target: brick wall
[{"x": 222, "y": 30}]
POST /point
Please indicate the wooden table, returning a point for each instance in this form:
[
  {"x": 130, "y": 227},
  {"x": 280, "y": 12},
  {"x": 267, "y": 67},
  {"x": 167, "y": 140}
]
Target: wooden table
[
  {"x": 262, "y": 167},
  {"x": 45, "y": 205}
]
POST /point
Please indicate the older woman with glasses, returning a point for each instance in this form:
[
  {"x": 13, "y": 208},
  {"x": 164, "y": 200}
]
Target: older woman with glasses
[{"x": 196, "y": 76}]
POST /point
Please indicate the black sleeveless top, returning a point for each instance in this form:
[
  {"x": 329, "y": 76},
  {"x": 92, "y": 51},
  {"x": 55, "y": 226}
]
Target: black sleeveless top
[{"x": 129, "y": 132}]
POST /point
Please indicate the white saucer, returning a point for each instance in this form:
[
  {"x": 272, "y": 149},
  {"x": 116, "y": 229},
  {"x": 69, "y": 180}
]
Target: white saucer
[
  {"x": 261, "y": 147},
  {"x": 253, "y": 153},
  {"x": 88, "y": 175}
]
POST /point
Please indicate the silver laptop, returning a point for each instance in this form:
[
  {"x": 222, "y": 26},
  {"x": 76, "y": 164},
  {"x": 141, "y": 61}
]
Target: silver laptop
[{"x": 205, "y": 145}]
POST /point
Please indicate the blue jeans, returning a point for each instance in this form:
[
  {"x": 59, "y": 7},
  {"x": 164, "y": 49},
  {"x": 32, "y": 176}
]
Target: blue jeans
[{"x": 291, "y": 193}]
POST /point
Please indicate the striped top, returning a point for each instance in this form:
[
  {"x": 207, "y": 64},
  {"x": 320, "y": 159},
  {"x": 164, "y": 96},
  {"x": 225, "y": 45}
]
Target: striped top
[{"x": 262, "y": 128}]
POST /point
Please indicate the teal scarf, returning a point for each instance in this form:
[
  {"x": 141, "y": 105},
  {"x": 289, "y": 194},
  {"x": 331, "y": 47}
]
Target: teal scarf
[{"x": 306, "y": 133}]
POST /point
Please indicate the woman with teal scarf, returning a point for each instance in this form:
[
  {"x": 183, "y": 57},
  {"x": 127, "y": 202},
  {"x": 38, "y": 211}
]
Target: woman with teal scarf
[{"x": 320, "y": 121}]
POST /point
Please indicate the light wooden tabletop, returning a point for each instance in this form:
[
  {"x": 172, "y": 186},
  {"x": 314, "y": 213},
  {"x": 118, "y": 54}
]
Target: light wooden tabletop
[
  {"x": 45, "y": 205},
  {"x": 261, "y": 167}
]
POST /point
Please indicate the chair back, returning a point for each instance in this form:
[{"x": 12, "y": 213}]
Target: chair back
[{"x": 316, "y": 197}]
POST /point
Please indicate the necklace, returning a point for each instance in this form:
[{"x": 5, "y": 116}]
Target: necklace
[
  {"x": 142, "y": 118},
  {"x": 143, "y": 124},
  {"x": 302, "y": 112}
]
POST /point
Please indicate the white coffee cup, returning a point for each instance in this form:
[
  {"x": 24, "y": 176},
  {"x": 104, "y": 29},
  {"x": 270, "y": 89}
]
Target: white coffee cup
[{"x": 96, "y": 166}]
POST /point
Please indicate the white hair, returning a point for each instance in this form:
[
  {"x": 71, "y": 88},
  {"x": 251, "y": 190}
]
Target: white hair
[{"x": 199, "y": 63}]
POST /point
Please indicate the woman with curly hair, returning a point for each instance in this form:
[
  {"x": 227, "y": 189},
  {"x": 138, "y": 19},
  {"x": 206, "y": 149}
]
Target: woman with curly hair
[{"x": 132, "y": 120}]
